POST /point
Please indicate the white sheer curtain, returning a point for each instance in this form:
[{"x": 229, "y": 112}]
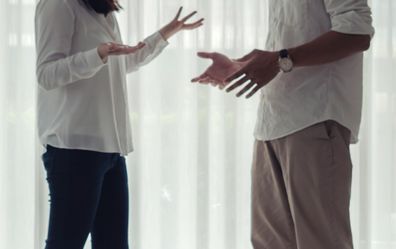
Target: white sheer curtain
[{"x": 190, "y": 174}]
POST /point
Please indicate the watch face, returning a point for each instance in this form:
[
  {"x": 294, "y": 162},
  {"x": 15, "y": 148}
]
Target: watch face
[{"x": 286, "y": 64}]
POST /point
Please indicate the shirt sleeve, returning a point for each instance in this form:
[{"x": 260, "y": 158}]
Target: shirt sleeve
[
  {"x": 155, "y": 44},
  {"x": 350, "y": 16},
  {"x": 56, "y": 67}
]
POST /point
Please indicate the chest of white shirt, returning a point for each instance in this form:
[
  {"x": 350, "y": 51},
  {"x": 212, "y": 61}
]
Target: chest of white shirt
[
  {"x": 92, "y": 28},
  {"x": 297, "y": 13}
]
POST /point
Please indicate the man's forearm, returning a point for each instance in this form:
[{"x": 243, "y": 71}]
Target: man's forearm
[{"x": 329, "y": 47}]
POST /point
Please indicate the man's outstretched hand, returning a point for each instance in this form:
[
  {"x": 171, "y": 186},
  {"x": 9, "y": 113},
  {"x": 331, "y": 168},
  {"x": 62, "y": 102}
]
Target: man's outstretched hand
[
  {"x": 253, "y": 71},
  {"x": 260, "y": 68},
  {"x": 221, "y": 68}
]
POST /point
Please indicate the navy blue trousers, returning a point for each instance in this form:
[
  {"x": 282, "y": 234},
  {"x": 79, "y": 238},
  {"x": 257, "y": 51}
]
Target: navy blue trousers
[{"x": 88, "y": 194}]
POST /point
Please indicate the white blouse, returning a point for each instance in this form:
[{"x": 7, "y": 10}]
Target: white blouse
[
  {"x": 82, "y": 102},
  {"x": 309, "y": 95}
]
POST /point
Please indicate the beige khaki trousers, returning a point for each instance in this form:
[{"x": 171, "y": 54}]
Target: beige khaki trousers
[{"x": 301, "y": 188}]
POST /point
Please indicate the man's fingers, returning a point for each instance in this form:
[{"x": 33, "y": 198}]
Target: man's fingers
[
  {"x": 246, "y": 57},
  {"x": 196, "y": 79},
  {"x": 223, "y": 85},
  {"x": 245, "y": 89},
  {"x": 205, "y": 55},
  {"x": 235, "y": 76},
  {"x": 258, "y": 87},
  {"x": 213, "y": 83},
  {"x": 242, "y": 59},
  {"x": 205, "y": 80},
  {"x": 188, "y": 17},
  {"x": 179, "y": 13},
  {"x": 237, "y": 84}
]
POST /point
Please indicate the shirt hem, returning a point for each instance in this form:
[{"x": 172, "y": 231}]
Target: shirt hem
[{"x": 354, "y": 137}]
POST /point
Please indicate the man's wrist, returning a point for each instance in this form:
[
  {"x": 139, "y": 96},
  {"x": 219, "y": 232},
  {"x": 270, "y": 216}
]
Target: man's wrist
[{"x": 285, "y": 61}]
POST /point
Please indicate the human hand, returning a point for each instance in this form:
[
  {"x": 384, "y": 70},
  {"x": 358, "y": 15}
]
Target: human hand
[
  {"x": 177, "y": 25},
  {"x": 221, "y": 68},
  {"x": 107, "y": 49},
  {"x": 259, "y": 69}
]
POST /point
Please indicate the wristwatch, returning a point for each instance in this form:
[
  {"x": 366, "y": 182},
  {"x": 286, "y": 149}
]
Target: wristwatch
[{"x": 285, "y": 62}]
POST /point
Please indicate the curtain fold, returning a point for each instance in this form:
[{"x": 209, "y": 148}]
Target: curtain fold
[{"x": 189, "y": 175}]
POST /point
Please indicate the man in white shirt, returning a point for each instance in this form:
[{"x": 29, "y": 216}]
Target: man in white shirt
[{"x": 310, "y": 112}]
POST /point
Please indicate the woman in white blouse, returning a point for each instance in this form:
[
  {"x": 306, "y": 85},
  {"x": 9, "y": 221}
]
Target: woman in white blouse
[{"x": 83, "y": 116}]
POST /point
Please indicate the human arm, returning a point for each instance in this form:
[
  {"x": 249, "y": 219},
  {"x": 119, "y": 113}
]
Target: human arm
[
  {"x": 222, "y": 67},
  {"x": 263, "y": 66},
  {"x": 56, "y": 66},
  {"x": 159, "y": 40},
  {"x": 350, "y": 33}
]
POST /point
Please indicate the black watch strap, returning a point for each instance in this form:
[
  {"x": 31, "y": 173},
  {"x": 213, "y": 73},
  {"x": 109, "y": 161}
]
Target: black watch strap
[{"x": 284, "y": 53}]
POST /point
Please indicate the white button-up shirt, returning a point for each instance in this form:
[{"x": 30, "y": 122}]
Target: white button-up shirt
[
  {"x": 308, "y": 95},
  {"x": 82, "y": 102}
]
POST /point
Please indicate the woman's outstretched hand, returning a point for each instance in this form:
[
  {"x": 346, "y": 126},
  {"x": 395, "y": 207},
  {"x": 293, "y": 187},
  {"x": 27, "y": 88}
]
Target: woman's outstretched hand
[
  {"x": 221, "y": 69},
  {"x": 107, "y": 49},
  {"x": 177, "y": 25}
]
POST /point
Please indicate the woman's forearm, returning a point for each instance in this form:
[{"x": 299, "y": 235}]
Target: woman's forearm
[
  {"x": 154, "y": 45},
  {"x": 62, "y": 71}
]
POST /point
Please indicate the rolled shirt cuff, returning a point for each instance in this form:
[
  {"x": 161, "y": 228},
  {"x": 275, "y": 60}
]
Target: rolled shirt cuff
[{"x": 352, "y": 22}]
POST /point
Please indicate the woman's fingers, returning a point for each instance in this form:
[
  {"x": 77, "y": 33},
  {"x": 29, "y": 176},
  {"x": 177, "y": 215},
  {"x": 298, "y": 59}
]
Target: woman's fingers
[
  {"x": 188, "y": 17},
  {"x": 197, "y": 22},
  {"x": 179, "y": 13},
  {"x": 194, "y": 25},
  {"x": 118, "y": 49},
  {"x": 140, "y": 45},
  {"x": 135, "y": 48},
  {"x": 111, "y": 46}
]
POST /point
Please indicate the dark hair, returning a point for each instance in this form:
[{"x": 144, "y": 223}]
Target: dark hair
[{"x": 102, "y": 6}]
